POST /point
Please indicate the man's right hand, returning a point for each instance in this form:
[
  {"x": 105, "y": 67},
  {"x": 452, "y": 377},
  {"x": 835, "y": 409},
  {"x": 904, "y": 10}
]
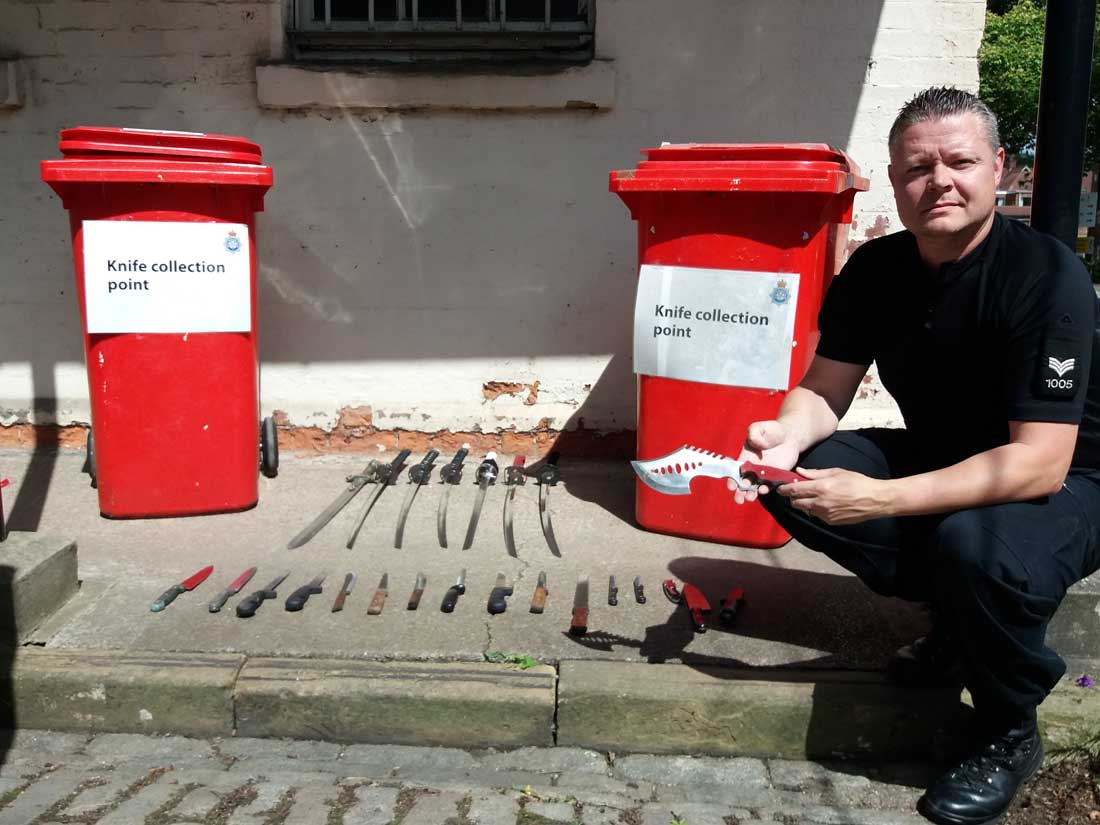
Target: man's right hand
[{"x": 767, "y": 442}]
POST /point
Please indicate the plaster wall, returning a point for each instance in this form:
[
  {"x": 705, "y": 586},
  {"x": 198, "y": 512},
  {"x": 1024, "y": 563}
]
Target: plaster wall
[{"x": 453, "y": 267}]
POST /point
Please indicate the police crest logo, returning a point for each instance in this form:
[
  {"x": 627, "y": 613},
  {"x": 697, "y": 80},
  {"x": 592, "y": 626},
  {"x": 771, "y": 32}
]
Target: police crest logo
[
  {"x": 232, "y": 242},
  {"x": 780, "y": 295}
]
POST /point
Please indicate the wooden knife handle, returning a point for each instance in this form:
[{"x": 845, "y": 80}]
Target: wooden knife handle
[
  {"x": 538, "y": 601},
  {"x": 377, "y": 603},
  {"x": 414, "y": 600},
  {"x": 579, "y": 625}
]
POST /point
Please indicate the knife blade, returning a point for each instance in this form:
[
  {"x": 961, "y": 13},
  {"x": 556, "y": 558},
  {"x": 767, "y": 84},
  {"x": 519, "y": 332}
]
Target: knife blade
[
  {"x": 450, "y": 474},
  {"x": 345, "y": 590},
  {"x": 190, "y": 583},
  {"x": 612, "y": 591},
  {"x": 234, "y": 587},
  {"x": 248, "y": 606},
  {"x": 639, "y": 590},
  {"x": 514, "y": 478},
  {"x": 355, "y": 484},
  {"x": 418, "y": 591},
  {"x": 297, "y": 600},
  {"x": 578, "y": 625},
  {"x": 548, "y": 476},
  {"x": 538, "y": 600},
  {"x": 672, "y": 474},
  {"x": 378, "y": 601},
  {"x": 498, "y": 596},
  {"x": 386, "y": 473},
  {"x": 450, "y": 598},
  {"x": 487, "y": 472},
  {"x": 418, "y": 476},
  {"x": 697, "y": 605}
]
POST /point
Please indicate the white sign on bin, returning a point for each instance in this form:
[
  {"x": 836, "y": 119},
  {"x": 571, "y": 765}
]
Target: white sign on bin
[
  {"x": 1086, "y": 211},
  {"x": 715, "y": 326},
  {"x": 148, "y": 276}
]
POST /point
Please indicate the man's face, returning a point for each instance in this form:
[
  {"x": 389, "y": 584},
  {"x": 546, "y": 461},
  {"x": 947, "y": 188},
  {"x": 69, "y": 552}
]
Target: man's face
[{"x": 944, "y": 174}]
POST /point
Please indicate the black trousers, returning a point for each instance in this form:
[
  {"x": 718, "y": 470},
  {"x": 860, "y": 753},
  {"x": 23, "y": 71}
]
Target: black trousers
[{"x": 994, "y": 575}]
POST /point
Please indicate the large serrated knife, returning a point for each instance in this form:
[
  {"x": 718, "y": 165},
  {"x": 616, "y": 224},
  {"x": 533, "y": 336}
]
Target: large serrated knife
[
  {"x": 450, "y": 475},
  {"x": 355, "y": 484},
  {"x": 487, "y": 472},
  {"x": 386, "y": 474},
  {"x": 672, "y": 474},
  {"x": 513, "y": 479},
  {"x": 548, "y": 476},
  {"x": 418, "y": 477}
]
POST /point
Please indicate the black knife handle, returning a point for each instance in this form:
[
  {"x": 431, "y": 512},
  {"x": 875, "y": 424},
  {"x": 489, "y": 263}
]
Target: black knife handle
[
  {"x": 498, "y": 601},
  {"x": 248, "y": 606},
  {"x": 549, "y": 473},
  {"x": 420, "y": 472},
  {"x": 452, "y": 471},
  {"x": 450, "y": 598},
  {"x": 488, "y": 470},
  {"x": 297, "y": 600},
  {"x": 387, "y": 471}
]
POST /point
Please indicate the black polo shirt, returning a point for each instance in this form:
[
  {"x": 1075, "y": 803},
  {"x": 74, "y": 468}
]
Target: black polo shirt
[{"x": 1006, "y": 333}]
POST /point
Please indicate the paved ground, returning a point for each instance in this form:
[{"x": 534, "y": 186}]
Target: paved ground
[
  {"x": 116, "y": 779},
  {"x": 802, "y": 610}
]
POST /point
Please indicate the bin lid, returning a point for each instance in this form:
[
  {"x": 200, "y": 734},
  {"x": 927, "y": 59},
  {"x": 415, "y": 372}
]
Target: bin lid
[
  {"x": 742, "y": 167},
  {"x": 86, "y": 141}
]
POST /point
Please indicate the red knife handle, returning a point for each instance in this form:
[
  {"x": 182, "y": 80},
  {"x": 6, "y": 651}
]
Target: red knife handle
[
  {"x": 4, "y": 483},
  {"x": 771, "y": 475}
]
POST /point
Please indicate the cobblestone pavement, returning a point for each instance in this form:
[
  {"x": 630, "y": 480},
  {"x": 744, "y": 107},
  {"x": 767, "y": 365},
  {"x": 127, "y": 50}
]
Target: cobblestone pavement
[{"x": 118, "y": 779}]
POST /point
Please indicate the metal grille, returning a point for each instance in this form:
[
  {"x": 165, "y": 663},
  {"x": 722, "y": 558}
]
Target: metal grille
[{"x": 409, "y": 30}]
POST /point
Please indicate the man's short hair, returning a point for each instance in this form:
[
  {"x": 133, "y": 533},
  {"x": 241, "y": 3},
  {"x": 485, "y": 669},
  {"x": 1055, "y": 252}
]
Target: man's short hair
[{"x": 941, "y": 102}]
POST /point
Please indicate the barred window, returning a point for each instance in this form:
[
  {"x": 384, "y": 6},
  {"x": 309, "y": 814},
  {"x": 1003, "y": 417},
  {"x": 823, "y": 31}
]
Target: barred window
[{"x": 428, "y": 31}]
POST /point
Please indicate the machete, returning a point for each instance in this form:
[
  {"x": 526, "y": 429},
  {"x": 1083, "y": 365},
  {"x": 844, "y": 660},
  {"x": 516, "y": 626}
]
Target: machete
[
  {"x": 235, "y": 587},
  {"x": 672, "y": 474},
  {"x": 513, "y": 478},
  {"x": 386, "y": 474},
  {"x": 548, "y": 476},
  {"x": 248, "y": 606},
  {"x": 487, "y": 472},
  {"x": 450, "y": 475},
  {"x": 169, "y": 595},
  {"x": 418, "y": 476},
  {"x": 355, "y": 484}
]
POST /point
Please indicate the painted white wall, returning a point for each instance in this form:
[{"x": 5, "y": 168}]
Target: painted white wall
[{"x": 409, "y": 257}]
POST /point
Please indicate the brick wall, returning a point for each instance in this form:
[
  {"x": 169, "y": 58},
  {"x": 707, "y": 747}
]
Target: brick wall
[{"x": 415, "y": 262}]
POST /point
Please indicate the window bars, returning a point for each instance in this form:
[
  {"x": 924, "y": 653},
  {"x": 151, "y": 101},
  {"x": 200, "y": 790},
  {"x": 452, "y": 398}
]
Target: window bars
[{"x": 408, "y": 30}]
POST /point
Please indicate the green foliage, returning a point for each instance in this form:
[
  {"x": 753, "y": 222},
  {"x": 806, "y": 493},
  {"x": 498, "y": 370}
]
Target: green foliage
[
  {"x": 1010, "y": 64},
  {"x": 523, "y": 660}
]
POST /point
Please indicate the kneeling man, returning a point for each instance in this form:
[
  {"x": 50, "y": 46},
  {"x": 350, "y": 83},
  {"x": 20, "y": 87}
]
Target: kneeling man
[{"x": 987, "y": 504}]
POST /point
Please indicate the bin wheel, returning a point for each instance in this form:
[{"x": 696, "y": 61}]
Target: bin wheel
[
  {"x": 89, "y": 458},
  {"x": 269, "y": 448}
]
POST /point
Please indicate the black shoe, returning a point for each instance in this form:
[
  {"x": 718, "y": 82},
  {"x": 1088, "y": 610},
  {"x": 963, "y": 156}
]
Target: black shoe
[
  {"x": 980, "y": 789},
  {"x": 931, "y": 661}
]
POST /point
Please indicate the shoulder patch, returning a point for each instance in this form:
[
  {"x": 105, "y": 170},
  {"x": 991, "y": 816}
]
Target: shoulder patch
[{"x": 1058, "y": 374}]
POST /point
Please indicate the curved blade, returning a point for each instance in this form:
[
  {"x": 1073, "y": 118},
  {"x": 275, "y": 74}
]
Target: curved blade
[
  {"x": 355, "y": 484},
  {"x": 482, "y": 487},
  {"x": 672, "y": 474},
  {"x": 509, "y": 537},
  {"x": 544, "y": 517},
  {"x": 441, "y": 517},
  {"x": 406, "y": 505},
  {"x": 374, "y": 496}
]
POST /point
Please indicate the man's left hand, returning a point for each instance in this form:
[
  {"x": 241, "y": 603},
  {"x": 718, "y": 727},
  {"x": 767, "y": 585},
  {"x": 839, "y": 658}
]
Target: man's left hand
[{"x": 838, "y": 496}]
